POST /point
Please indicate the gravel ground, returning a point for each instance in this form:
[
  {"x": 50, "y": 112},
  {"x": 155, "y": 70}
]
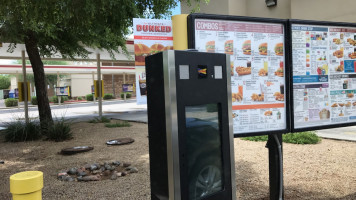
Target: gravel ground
[{"x": 323, "y": 171}]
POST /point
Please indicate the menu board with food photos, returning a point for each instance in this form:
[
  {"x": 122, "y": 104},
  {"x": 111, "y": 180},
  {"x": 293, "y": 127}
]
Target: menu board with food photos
[
  {"x": 257, "y": 70},
  {"x": 324, "y": 75}
]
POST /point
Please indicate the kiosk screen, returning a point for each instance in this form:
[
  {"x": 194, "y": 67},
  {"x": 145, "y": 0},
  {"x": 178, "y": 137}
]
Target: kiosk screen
[{"x": 203, "y": 150}]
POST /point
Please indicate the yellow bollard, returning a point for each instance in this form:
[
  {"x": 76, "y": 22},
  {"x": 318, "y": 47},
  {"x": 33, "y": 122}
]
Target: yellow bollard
[{"x": 26, "y": 185}]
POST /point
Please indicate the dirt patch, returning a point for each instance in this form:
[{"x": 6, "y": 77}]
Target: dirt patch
[{"x": 323, "y": 171}]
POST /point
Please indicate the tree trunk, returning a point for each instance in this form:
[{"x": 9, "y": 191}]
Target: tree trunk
[{"x": 40, "y": 82}]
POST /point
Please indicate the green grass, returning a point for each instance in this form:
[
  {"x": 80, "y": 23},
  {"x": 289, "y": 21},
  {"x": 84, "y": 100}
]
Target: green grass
[
  {"x": 100, "y": 120},
  {"x": 118, "y": 124},
  {"x": 308, "y": 137}
]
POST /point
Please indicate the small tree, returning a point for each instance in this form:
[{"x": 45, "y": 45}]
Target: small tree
[{"x": 67, "y": 27}]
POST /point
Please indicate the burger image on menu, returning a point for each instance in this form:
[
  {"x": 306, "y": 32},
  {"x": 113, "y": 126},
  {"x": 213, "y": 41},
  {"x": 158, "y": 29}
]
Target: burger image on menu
[
  {"x": 262, "y": 49},
  {"x": 246, "y": 47},
  {"x": 278, "y": 49},
  {"x": 210, "y": 46},
  {"x": 156, "y": 48},
  {"x": 229, "y": 47},
  {"x": 141, "y": 51}
]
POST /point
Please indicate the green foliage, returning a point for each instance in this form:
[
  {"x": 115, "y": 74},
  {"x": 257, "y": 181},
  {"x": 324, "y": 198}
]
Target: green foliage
[
  {"x": 308, "y": 137},
  {"x": 54, "y": 99},
  {"x": 256, "y": 138},
  {"x": 128, "y": 95},
  {"x": 21, "y": 131},
  {"x": 100, "y": 120},
  {"x": 89, "y": 97},
  {"x": 34, "y": 100},
  {"x": 80, "y": 98},
  {"x": 59, "y": 131},
  {"x": 4, "y": 82},
  {"x": 10, "y": 102},
  {"x": 118, "y": 124},
  {"x": 108, "y": 96}
]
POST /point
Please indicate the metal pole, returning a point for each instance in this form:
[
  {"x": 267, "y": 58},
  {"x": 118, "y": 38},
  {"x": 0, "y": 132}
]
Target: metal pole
[
  {"x": 94, "y": 88},
  {"x": 59, "y": 97},
  {"x": 124, "y": 83},
  {"x": 274, "y": 146},
  {"x": 17, "y": 86},
  {"x": 99, "y": 84},
  {"x": 113, "y": 85},
  {"x": 25, "y": 85}
]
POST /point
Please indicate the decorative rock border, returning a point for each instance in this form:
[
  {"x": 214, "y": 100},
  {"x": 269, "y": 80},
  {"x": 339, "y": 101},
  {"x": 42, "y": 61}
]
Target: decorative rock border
[{"x": 97, "y": 172}]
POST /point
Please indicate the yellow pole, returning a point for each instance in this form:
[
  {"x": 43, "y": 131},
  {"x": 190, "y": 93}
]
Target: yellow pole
[
  {"x": 26, "y": 185},
  {"x": 180, "y": 32}
]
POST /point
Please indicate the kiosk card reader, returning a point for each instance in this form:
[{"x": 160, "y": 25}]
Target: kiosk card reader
[{"x": 190, "y": 126}]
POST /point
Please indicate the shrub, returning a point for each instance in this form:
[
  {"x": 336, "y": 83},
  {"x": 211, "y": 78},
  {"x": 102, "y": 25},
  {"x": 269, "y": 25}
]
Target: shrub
[
  {"x": 54, "y": 99},
  {"x": 89, "y": 97},
  {"x": 34, "y": 100},
  {"x": 256, "y": 138},
  {"x": 308, "y": 137},
  {"x": 21, "y": 131},
  {"x": 128, "y": 95},
  {"x": 9, "y": 102},
  {"x": 118, "y": 124},
  {"x": 80, "y": 98},
  {"x": 60, "y": 131},
  {"x": 100, "y": 120},
  {"x": 108, "y": 96},
  {"x": 5, "y": 82}
]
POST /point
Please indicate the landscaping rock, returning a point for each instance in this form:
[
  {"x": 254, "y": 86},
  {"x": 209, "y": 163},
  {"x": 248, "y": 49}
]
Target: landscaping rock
[
  {"x": 94, "y": 167},
  {"x": 131, "y": 170},
  {"x": 96, "y": 172},
  {"x": 113, "y": 176},
  {"x": 127, "y": 164},
  {"x": 2, "y": 162},
  {"x": 87, "y": 166},
  {"x": 69, "y": 179},
  {"x": 116, "y": 163},
  {"x": 72, "y": 171},
  {"x": 82, "y": 173},
  {"x": 91, "y": 178}
]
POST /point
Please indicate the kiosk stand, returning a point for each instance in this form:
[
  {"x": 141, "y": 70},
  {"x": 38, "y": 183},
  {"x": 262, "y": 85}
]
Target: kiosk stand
[{"x": 190, "y": 126}]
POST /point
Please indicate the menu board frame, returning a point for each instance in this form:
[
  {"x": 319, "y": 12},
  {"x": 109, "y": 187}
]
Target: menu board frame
[
  {"x": 327, "y": 24},
  {"x": 191, "y": 45}
]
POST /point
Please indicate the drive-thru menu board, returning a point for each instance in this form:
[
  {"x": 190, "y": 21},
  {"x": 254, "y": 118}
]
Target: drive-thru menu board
[
  {"x": 257, "y": 69},
  {"x": 324, "y": 75}
]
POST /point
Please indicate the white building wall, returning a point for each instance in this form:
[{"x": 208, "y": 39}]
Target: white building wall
[{"x": 81, "y": 84}]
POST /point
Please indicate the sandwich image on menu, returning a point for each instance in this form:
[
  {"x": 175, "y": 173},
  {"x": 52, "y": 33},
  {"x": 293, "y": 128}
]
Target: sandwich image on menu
[
  {"x": 262, "y": 49},
  {"x": 246, "y": 47},
  {"x": 229, "y": 47},
  {"x": 156, "y": 48},
  {"x": 141, "y": 51},
  {"x": 210, "y": 46},
  {"x": 278, "y": 49}
]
